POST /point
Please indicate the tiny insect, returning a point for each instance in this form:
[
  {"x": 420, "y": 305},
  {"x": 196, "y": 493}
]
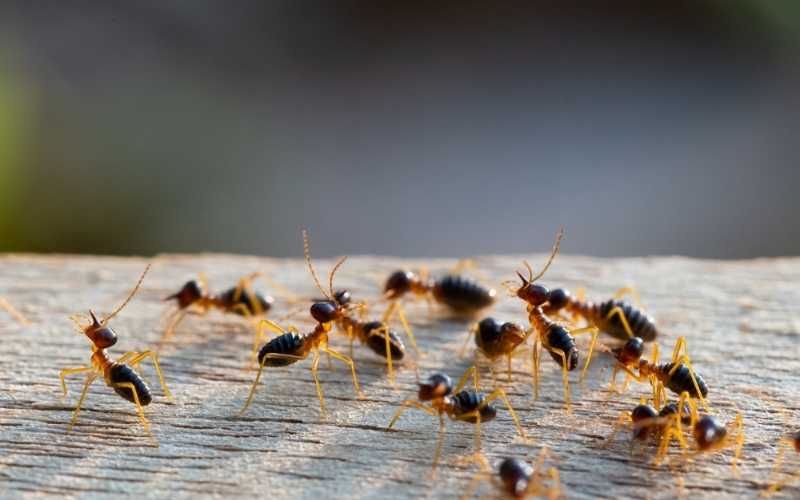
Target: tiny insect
[
  {"x": 557, "y": 339},
  {"x": 647, "y": 421},
  {"x": 615, "y": 317},
  {"x": 119, "y": 374},
  {"x": 291, "y": 346},
  {"x": 338, "y": 308},
  {"x": 791, "y": 441},
  {"x": 457, "y": 404},
  {"x": 709, "y": 435},
  {"x": 194, "y": 298},
  {"x": 460, "y": 294},
  {"x": 494, "y": 340},
  {"x": 517, "y": 478},
  {"x": 378, "y": 336},
  {"x": 678, "y": 375}
]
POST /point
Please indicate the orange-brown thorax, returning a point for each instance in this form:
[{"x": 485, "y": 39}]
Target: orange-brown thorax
[
  {"x": 539, "y": 320},
  {"x": 102, "y": 361},
  {"x": 318, "y": 337}
]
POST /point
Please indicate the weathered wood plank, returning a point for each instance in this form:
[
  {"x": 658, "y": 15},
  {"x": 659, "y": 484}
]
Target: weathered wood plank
[{"x": 739, "y": 318}]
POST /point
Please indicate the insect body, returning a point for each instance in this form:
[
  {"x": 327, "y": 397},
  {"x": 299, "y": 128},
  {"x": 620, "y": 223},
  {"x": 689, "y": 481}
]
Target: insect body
[
  {"x": 194, "y": 298},
  {"x": 709, "y": 435},
  {"x": 647, "y": 421},
  {"x": 676, "y": 375},
  {"x": 376, "y": 335},
  {"x": 517, "y": 478},
  {"x": 557, "y": 339},
  {"x": 494, "y": 340},
  {"x": 119, "y": 374},
  {"x": 338, "y": 308},
  {"x": 292, "y": 346},
  {"x": 457, "y": 404},
  {"x": 461, "y": 294},
  {"x": 615, "y": 317}
]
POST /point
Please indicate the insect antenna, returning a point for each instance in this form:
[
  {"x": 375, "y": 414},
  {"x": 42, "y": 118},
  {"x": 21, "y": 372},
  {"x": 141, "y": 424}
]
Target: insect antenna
[
  {"x": 130, "y": 296},
  {"x": 553, "y": 252},
  {"x": 333, "y": 272},
  {"x": 307, "y": 252}
]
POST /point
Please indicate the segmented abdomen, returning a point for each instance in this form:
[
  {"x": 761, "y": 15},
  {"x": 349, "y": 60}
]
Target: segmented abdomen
[
  {"x": 254, "y": 303},
  {"x": 288, "y": 343},
  {"x": 466, "y": 402},
  {"x": 515, "y": 475},
  {"x": 375, "y": 339},
  {"x": 124, "y": 373},
  {"x": 641, "y": 324},
  {"x": 463, "y": 294},
  {"x": 681, "y": 380},
  {"x": 488, "y": 337},
  {"x": 558, "y": 337}
]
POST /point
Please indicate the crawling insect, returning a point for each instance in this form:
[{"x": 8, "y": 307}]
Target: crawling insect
[
  {"x": 194, "y": 298},
  {"x": 461, "y": 295},
  {"x": 517, "y": 478},
  {"x": 119, "y": 374},
  {"x": 615, "y": 317},
  {"x": 647, "y": 421},
  {"x": 457, "y": 404},
  {"x": 338, "y": 308},
  {"x": 494, "y": 340},
  {"x": 378, "y": 336},
  {"x": 792, "y": 442},
  {"x": 555, "y": 338},
  {"x": 709, "y": 435},
  {"x": 291, "y": 346},
  {"x": 677, "y": 375}
]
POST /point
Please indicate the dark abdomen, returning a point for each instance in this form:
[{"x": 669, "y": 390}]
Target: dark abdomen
[
  {"x": 515, "y": 475},
  {"x": 681, "y": 380},
  {"x": 288, "y": 343},
  {"x": 641, "y": 324},
  {"x": 375, "y": 339},
  {"x": 250, "y": 302},
  {"x": 462, "y": 294},
  {"x": 559, "y": 337},
  {"x": 124, "y": 373},
  {"x": 467, "y": 402},
  {"x": 488, "y": 337}
]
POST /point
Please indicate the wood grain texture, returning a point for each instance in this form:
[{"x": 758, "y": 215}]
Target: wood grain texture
[{"x": 739, "y": 318}]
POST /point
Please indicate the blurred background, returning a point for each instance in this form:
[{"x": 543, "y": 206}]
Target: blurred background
[{"x": 400, "y": 128}]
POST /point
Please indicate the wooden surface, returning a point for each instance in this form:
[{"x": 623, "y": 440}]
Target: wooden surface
[{"x": 740, "y": 319}]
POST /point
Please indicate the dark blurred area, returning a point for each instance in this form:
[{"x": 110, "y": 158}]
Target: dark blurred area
[{"x": 400, "y": 128}]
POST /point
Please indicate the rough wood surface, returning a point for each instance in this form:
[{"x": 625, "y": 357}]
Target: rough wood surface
[{"x": 740, "y": 319}]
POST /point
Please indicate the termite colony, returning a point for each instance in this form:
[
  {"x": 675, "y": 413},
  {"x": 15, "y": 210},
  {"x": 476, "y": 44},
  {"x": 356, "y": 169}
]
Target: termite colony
[{"x": 675, "y": 409}]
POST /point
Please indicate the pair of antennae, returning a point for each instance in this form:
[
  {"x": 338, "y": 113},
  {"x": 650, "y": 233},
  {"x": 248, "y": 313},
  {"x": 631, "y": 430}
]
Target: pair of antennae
[
  {"x": 119, "y": 308},
  {"x": 531, "y": 278},
  {"x": 330, "y": 295},
  {"x": 553, "y": 252}
]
